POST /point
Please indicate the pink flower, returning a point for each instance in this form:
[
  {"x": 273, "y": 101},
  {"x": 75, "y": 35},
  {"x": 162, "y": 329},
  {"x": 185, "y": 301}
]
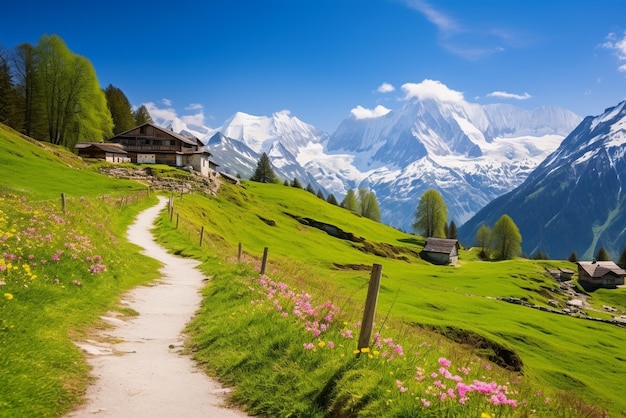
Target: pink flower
[
  {"x": 444, "y": 362},
  {"x": 308, "y": 346}
]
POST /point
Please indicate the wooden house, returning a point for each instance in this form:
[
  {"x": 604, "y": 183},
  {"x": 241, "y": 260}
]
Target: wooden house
[
  {"x": 112, "y": 153},
  {"x": 151, "y": 144},
  {"x": 441, "y": 251},
  {"x": 596, "y": 274}
]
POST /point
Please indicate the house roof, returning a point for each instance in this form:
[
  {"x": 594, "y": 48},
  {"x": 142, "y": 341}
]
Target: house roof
[
  {"x": 192, "y": 140},
  {"x": 106, "y": 147},
  {"x": 440, "y": 245},
  {"x": 597, "y": 269}
]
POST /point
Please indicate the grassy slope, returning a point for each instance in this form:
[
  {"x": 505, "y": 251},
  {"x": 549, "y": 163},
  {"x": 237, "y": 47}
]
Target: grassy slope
[
  {"x": 562, "y": 351},
  {"x": 43, "y": 373}
]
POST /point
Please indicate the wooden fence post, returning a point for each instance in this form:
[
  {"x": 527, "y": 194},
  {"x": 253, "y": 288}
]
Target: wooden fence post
[
  {"x": 201, "y": 235},
  {"x": 239, "y": 252},
  {"x": 177, "y": 216},
  {"x": 63, "y": 202},
  {"x": 370, "y": 306},
  {"x": 264, "y": 262}
]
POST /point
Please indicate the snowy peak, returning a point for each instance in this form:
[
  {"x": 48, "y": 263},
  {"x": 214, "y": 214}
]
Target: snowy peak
[{"x": 260, "y": 132}]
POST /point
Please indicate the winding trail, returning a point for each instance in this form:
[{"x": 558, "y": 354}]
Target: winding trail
[{"x": 145, "y": 375}]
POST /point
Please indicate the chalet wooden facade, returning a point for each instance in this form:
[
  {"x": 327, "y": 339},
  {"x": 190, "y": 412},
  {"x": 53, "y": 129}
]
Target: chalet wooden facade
[
  {"x": 441, "y": 251},
  {"x": 151, "y": 144},
  {"x": 594, "y": 274},
  {"x": 112, "y": 153}
]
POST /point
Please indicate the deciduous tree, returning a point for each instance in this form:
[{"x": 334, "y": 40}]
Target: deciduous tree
[
  {"x": 506, "y": 239},
  {"x": 369, "y": 205},
  {"x": 350, "y": 202},
  {"x": 483, "y": 239},
  {"x": 74, "y": 104},
  {"x": 431, "y": 215}
]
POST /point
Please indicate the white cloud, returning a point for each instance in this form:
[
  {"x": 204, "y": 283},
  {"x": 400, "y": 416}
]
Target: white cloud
[
  {"x": 431, "y": 89},
  {"x": 466, "y": 42},
  {"x": 506, "y": 95},
  {"x": 617, "y": 43},
  {"x": 444, "y": 23},
  {"x": 194, "y": 106},
  {"x": 360, "y": 112},
  {"x": 385, "y": 88},
  {"x": 166, "y": 102},
  {"x": 196, "y": 120},
  {"x": 156, "y": 112}
]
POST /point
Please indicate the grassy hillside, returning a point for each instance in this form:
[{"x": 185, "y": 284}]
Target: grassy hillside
[
  {"x": 59, "y": 272},
  {"x": 286, "y": 339},
  {"x": 552, "y": 352}
]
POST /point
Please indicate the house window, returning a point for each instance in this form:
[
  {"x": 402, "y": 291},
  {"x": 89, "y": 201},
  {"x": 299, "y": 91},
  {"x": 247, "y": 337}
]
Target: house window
[
  {"x": 142, "y": 130},
  {"x": 147, "y": 141}
]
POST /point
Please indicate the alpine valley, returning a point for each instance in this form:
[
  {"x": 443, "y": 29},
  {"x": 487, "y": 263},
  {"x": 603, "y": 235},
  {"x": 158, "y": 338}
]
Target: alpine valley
[{"x": 472, "y": 154}]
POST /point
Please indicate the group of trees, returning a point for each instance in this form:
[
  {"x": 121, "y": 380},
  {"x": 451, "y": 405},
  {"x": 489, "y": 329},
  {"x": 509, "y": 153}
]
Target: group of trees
[
  {"x": 51, "y": 94},
  {"x": 364, "y": 203},
  {"x": 503, "y": 242}
]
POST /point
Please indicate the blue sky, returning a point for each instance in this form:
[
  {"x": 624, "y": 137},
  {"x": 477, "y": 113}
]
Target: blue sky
[{"x": 206, "y": 60}]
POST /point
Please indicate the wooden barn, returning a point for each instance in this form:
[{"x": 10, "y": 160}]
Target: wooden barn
[
  {"x": 112, "y": 153},
  {"x": 441, "y": 251},
  {"x": 151, "y": 144},
  {"x": 596, "y": 274}
]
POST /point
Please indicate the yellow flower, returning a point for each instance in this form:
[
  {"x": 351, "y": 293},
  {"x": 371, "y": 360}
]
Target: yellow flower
[
  {"x": 356, "y": 351},
  {"x": 321, "y": 344},
  {"x": 485, "y": 415},
  {"x": 8, "y": 296},
  {"x": 365, "y": 350}
]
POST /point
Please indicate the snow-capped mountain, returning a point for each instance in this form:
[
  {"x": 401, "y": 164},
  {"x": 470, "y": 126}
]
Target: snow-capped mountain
[
  {"x": 260, "y": 133},
  {"x": 574, "y": 200},
  {"x": 470, "y": 153}
]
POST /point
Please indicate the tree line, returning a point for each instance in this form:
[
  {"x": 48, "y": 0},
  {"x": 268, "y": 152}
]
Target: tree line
[
  {"x": 363, "y": 202},
  {"x": 49, "y": 93}
]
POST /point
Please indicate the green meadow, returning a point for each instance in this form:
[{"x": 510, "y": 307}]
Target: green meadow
[{"x": 444, "y": 345}]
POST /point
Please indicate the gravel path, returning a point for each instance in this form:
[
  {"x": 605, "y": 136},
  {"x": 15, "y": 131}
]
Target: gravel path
[{"x": 145, "y": 375}]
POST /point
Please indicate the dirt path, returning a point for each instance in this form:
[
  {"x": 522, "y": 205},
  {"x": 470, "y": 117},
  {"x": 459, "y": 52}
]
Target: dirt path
[{"x": 145, "y": 375}]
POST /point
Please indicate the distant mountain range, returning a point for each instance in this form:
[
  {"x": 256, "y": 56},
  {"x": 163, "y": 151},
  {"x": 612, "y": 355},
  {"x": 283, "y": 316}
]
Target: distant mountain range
[
  {"x": 470, "y": 153},
  {"x": 575, "y": 200}
]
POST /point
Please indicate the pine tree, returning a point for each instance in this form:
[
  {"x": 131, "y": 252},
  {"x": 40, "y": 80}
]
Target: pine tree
[
  {"x": 573, "y": 257},
  {"x": 602, "y": 255},
  {"x": 7, "y": 91},
  {"x": 286, "y": 183},
  {"x": 264, "y": 172},
  {"x": 452, "y": 231},
  {"x": 332, "y": 199},
  {"x": 310, "y": 189},
  {"x": 121, "y": 112},
  {"x": 320, "y": 194},
  {"x": 29, "y": 106},
  {"x": 622, "y": 259},
  {"x": 296, "y": 183},
  {"x": 142, "y": 116}
]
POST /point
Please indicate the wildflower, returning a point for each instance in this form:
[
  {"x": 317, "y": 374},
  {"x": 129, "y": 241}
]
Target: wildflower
[
  {"x": 331, "y": 345},
  {"x": 308, "y": 346},
  {"x": 485, "y": 415},
  {"x": 10, "y": 296},
  {"x": 444, "y": 362},
  {"x": 321, "y": 344},
  {"x": 426, "y": 403},
  {"x": 365, "y": 350}
]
